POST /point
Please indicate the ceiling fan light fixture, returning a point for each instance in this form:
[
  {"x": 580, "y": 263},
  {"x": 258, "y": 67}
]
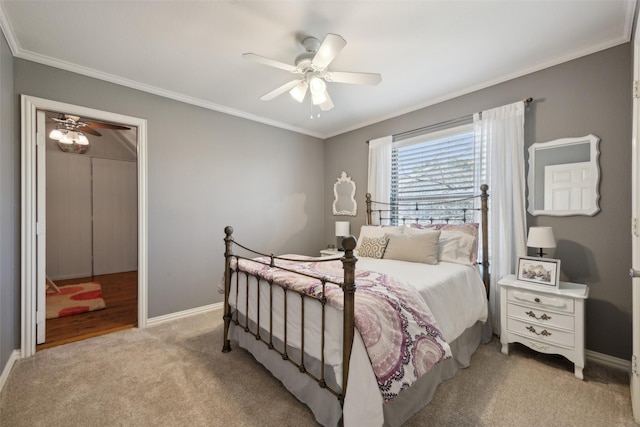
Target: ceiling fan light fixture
[
  {"x": 56, "y": 134},
  {"x": 82, "y": 140},
  {"x": 66, "y": 139},
  {"x": 300, "y": 91},
  {"x": 317, "y": 86}
]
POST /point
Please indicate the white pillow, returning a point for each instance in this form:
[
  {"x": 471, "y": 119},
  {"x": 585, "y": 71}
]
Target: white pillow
[
  {"x": 376, "y": 231},
  {"x": 419, "y": 247},
  {"x": 453, "y": 246}
]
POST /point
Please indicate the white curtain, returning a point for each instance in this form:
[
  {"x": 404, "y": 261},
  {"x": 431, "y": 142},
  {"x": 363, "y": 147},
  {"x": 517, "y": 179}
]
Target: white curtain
[
  {"x": 501, "y": 133},
  {"x": 379, "y": 183}
]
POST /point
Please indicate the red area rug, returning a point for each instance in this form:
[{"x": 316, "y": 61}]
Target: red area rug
[{"x": 74, "y": 299}]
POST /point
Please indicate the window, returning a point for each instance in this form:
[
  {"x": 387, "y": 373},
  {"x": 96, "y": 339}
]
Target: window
[{"x": 436, "y": 166}]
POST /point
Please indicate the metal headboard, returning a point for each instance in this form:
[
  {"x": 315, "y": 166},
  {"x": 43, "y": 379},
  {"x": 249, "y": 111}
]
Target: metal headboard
[{"x": 446, "y": 210}]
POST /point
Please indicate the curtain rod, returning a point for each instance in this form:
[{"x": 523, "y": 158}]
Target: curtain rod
[{"x": 404, "y": 135}]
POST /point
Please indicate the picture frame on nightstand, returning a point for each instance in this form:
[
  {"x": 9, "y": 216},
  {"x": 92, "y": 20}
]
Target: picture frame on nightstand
[{"x": 538, "y": 271}]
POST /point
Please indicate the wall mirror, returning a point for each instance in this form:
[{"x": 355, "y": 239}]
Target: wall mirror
[
  {"x": 344, "y": 192},
  {"x": 564, "y": 176}
]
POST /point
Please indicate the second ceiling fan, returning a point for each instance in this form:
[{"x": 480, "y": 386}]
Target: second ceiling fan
[
  {"x": 70, "y": 132},
  {"x": 312, "y": 70}
]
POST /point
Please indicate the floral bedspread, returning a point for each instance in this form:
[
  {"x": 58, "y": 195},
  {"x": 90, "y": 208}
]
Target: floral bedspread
[{"x": 397, "y": 327}]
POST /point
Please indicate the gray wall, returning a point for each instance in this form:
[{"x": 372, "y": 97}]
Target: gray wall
[
  {"x": 588, "y": 95},
  {"x": 206, "y": 170},
  {"x": 9, "y": 209},
  {"x": 202, "y": 163}
]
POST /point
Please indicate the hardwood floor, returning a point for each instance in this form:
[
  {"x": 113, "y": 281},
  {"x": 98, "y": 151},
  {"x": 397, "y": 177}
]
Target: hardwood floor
[{"x": 120, "y": 294}]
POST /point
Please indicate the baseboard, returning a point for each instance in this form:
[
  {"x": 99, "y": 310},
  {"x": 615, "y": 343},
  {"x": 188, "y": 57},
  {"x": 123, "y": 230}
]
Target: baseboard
[
  {"x": 590, "y": 356},
  {"x": 606, "y": 360},
  {"x": 182, "y": 314},
  {"x": 15, "y": 355}
]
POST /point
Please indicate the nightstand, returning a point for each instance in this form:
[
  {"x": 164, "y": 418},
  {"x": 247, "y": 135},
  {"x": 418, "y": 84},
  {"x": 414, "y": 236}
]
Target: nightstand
[
  {"x": 546, "y": 319},
  {"x": 330, "y": 252}
]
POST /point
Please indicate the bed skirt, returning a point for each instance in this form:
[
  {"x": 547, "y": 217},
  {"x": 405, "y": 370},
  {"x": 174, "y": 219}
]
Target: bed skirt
[{"x": 363, "y": 403}]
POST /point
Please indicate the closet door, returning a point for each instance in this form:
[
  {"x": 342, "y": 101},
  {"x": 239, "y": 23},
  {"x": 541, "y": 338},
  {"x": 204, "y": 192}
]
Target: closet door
[
  {"x": 115, "y": 216},
  {"x": 68, "y": 216}
]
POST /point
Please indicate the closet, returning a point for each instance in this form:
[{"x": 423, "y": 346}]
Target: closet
[{"x": 91, "y": 215}]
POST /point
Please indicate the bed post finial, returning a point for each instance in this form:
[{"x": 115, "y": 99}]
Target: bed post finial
[
  {"x": 228, "y": 254},
  {"x": 349, "y": 288},
  {"x": 485, "y": 236},
  {"x": 368, "y": 196}
]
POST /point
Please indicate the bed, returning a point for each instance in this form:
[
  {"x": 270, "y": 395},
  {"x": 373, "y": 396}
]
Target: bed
[{"x": 366, "y": 345}]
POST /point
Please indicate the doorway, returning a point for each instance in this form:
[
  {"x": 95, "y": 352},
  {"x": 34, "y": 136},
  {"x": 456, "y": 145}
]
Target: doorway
[
  {"x": 91, "y": 229},
  {"x": 34, "y": 233}
]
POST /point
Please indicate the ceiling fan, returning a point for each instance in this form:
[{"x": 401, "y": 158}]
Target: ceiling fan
[
  {"x": 311, "y": 68},
  {"x": 70, "y": 132}
]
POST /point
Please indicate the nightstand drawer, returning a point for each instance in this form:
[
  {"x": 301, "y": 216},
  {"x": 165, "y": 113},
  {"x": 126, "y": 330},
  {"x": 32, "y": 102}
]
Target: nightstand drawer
[
  {"x": 551, "y": 302},
  {"x": 541, "y": 333},
  {"x": 541, "y": 316}
]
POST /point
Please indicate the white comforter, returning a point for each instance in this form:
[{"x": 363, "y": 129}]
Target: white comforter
[{"x": 454, "y": 292}]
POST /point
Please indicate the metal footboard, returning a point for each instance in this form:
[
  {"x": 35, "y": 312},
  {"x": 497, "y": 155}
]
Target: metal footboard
[{"x": 241, "y": 278}]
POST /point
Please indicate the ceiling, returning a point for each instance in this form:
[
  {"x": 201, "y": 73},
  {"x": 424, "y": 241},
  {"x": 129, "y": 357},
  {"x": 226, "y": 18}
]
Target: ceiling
[{"x": 426, "y": 51}]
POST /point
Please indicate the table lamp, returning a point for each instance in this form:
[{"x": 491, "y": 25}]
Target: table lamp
[
  {"x": 342, "y": 230},
  {"x": 541, "y": 237}
]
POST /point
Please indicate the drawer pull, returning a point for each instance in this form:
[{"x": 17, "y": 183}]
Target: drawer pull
[
  {"x": 543, "y": 317},
  {"x": 537, "y": 300},
  {"x": 544, "y": 332}
]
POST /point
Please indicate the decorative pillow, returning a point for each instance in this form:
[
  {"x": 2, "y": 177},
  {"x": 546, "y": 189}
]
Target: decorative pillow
[
  {"x": 469, "y": 228},
  {"x": 373, "y": 247},
  {"x": 376, "y": 231},
  {"x": 422, "y": 247}
]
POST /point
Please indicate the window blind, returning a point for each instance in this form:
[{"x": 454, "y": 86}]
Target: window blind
[{"x": 437, "y": 166}]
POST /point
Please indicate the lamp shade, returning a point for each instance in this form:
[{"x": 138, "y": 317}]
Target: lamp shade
[
  {"x": 56, "y": 134},
  {"x": 317, "y": 85},
  {"x": 342, "y": 228},
  {"x": 300, "y": 91},
  {"x": 541, "y": 237},
  {"x": 82, "y": 140}
]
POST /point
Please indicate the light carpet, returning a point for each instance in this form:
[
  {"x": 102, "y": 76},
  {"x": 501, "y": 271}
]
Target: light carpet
[
  {"x": 174, "y": 374},
  {"x": 74, "y": 299}
]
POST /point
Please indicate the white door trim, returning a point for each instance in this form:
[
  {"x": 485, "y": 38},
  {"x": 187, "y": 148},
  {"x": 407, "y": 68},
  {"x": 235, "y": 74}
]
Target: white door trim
[
  {"x": 41, "y": 233},
  {"x": 29, "y": 105},
  {"x": 635, "y": 226}
]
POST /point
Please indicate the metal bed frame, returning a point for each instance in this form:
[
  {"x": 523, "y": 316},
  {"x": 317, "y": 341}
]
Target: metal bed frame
[{"x": 348, "y": 285}]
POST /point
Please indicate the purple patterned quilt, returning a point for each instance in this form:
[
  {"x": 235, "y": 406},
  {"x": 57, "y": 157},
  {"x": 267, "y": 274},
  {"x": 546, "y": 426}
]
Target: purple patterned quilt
[{"x": 397, "y": 327}]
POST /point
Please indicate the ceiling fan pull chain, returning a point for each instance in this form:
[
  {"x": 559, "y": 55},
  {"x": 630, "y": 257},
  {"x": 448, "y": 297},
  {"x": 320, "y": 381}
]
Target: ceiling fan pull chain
[{"x": 311, "y": 109}]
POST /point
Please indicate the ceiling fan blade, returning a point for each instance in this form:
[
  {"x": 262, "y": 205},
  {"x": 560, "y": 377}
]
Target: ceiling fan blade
[
  {"x": 328, "y": 50},
  {"x": 280, "y": 90},
  {"x": 87, "y": 129},
  {"x": 328, "y": 104},
  {"x": 270, "y": 62},
  {"x": 107, "y": 126},
  {"x": 354, "y": 78}
]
